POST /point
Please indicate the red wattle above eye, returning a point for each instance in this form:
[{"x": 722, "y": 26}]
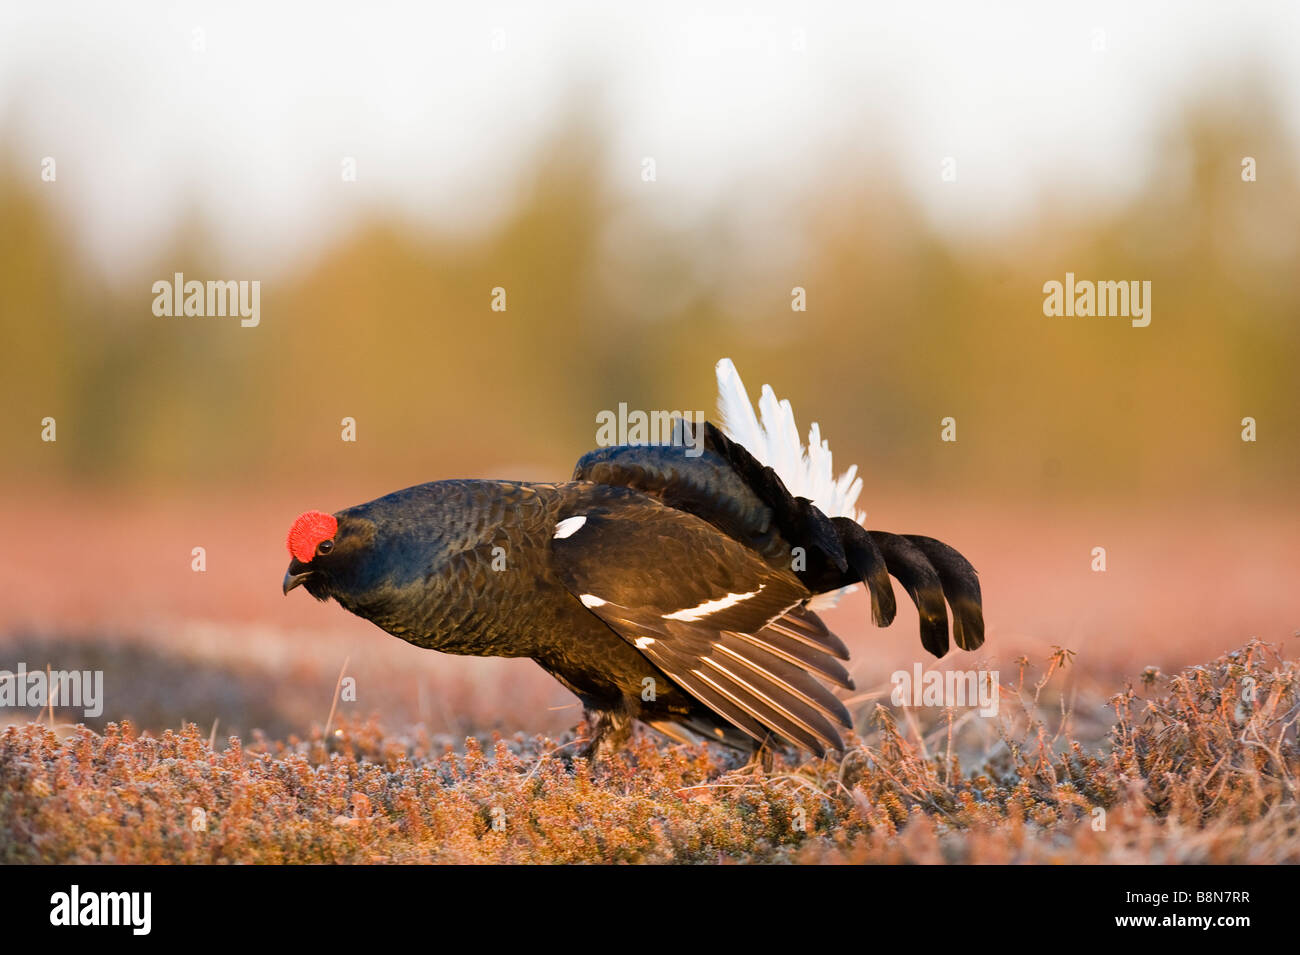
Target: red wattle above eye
[{"x": 308, "y": 531}]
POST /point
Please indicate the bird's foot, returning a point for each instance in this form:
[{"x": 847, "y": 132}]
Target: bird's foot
[
  {"x": 761, "y": 760},
  {"x": 610, "y": 730}
]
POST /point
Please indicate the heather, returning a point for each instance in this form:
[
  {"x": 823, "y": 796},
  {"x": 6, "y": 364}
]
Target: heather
[{"x": 1197, "y": 766}]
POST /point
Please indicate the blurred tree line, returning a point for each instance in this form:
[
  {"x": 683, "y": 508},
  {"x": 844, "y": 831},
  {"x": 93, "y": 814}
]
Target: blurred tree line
[{"x": 904, "y": 326}]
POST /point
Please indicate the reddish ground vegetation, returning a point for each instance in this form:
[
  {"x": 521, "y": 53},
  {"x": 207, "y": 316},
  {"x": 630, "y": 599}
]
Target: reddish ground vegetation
[{"x": 1197, "y": 767}]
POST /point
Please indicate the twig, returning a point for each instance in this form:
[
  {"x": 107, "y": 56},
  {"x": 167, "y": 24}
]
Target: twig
[
  {"x": 544, "y": 756},
  {"x": 329, "y": 720}
]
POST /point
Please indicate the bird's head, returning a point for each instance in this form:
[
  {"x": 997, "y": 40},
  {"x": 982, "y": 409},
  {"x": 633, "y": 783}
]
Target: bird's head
[
  {"x": 376, "y": 559},
  {"x": 326, "y": 552}
]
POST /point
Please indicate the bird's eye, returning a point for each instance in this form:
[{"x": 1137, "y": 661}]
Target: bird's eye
[{"x": 324, "y": 547}]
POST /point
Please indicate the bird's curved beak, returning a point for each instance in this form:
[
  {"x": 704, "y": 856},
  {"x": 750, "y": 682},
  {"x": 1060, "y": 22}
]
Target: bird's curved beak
[{"x": 297, "y": 573}]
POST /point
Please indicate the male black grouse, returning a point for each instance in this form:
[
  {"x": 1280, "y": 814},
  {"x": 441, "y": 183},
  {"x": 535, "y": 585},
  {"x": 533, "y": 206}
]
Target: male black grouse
[{"x": 661, "y": 584}]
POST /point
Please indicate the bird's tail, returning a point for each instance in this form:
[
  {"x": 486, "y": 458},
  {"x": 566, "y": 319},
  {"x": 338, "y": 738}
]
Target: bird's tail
[
  {"x": 932, "y": 573},
  {"x": 774, "y": 440}
]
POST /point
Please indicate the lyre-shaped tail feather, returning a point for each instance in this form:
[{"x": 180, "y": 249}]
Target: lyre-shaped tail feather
[{"x": 934, "y": 575}]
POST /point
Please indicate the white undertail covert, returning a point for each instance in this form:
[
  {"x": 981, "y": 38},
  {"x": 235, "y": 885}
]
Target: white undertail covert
[{"x": 772, "y": 437}]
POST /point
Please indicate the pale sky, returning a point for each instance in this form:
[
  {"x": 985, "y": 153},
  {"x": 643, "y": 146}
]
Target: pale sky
[{"x": 744, "y": 99}]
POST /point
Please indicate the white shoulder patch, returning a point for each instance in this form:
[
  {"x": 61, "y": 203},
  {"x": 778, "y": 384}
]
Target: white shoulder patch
[
  {"x": 710, "y": 607},
  {"x": 570, "y": 525},
  {"x": 591, "y": 600}
]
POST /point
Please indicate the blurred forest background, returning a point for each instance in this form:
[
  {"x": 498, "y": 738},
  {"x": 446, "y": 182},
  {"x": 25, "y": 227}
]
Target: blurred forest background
[
  {"x": 1073, "y": 433},
  {"x": 393, "y": 326}
]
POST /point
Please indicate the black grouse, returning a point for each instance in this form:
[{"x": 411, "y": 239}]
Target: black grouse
[{"x": 670, "y": 583}]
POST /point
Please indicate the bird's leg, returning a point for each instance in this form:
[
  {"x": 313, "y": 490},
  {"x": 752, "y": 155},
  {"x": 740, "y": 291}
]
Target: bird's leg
[
  {"x": 762, "y": 757},
  {"x": 610, "y": 729}
]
